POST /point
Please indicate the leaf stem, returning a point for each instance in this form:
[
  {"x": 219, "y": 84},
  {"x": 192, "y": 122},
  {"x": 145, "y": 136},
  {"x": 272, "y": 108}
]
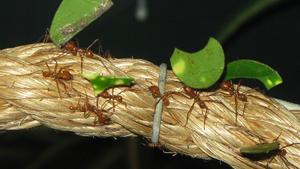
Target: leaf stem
[{"x": 247, "y": 13}]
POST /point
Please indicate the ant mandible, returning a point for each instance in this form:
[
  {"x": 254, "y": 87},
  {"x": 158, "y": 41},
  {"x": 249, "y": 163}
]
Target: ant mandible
[
  {"x": 62, "y": 74},
  {"x": 229, "y": 87}
]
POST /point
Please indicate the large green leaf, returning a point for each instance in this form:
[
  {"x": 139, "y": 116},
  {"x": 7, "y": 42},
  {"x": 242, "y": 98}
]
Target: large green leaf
[
  {"x": 101, "y": 83},
  {"x": 74, "y": 15},
  {"x": 252, "y": 69},
  {"x": 200, "y": 69}
]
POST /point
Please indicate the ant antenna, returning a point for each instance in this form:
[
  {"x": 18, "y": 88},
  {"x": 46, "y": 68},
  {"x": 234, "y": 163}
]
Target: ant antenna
[{"x": 96, "y": 40}]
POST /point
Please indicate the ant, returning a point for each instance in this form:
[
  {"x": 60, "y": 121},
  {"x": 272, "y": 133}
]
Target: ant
[
  {"x": 156, "y": 94},
  {"x": 195, "y": 94},
  {"x": 190, "y": 93},
  {"x": 229, "y": 87},
  {"x": 113, "y": 97},
  {"x": 87, "y": 108},
  {"x": 62, "y": 74},
  {"x": 73, "y": 48},
  {"x": 267, "y": 150}
]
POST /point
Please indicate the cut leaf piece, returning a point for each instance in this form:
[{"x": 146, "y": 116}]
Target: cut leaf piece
[
  {"x": 102, "y": 83},
  {"x": 200, "y": 69},
  {"x": 252, "y": 69},
  {"x": 74, "y": 15}
]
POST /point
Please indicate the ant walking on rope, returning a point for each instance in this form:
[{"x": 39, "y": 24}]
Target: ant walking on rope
[
  {"x": 73, "y": 48},
  {"x": 156, "y": 94},
  {"x": 229, "y": 87},
  {"x": 112, "y": 97},
  {"x": 59, "y": 77},
  {"x": 189, "y": 93},
  {"x": 88, "y": 108},
  {"x": 195, "y": 94},
  {"x": 268, "y": 150}
]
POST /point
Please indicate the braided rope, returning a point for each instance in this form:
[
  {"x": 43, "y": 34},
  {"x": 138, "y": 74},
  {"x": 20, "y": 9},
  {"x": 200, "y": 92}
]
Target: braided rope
[{"x": 28, "y": 99}]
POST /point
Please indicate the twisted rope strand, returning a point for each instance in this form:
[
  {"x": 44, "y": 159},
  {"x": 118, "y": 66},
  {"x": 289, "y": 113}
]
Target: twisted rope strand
[{"x": 28, "y": 99}]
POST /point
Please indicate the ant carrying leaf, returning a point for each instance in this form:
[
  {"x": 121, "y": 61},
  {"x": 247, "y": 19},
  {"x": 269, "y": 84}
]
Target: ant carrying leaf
[{"x": 265, "y": 151}]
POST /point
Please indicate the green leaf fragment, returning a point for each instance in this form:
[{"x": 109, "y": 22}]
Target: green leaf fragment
[
  {"x": 263, "y": 148},
  {"x": 200, "y": 69},
  {"x": 251, "y": 69},
  {"x": 74, "y": 15},
  {"x": 102, "y": 83}
]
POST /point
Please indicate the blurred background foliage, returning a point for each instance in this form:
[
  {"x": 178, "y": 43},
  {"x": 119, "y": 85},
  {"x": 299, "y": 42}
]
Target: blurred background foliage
[{"x": 272, "y": 37}]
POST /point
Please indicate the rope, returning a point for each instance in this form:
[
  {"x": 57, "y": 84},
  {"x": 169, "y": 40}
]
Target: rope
[{"x": 29, "y": 99}]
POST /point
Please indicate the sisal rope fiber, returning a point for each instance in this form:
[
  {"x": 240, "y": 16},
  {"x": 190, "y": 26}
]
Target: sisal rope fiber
[{"x": 28, "y": 99}]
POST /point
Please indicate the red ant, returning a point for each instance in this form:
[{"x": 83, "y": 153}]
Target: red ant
[
  {"x": 156, "y": 94},
  {"x": 113, "y": 97},
  {"x": 87, "y": 108},
  {"x": 62, "y": 74},
  {"x": 190, "y": 94},
  {"x": 228, "y": 87},
  {"x": 73, "y": 48},
  {"x": 194, "y": 94}
]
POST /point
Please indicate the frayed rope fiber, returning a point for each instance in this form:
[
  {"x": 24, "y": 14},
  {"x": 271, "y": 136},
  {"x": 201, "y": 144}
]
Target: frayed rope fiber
[{"x": 28, "y": 99}]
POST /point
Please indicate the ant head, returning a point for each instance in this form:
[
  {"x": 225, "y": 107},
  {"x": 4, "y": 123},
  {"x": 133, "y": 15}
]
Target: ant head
[
  {"x": 104, "y": 94},
  {"x": 227, "y": 85},
  {"x": 153, "y": 89},
  {"x": 242, "y": 97},
  {"x": 187, "y": 89},
  {"x": 66, "y": 75},
  {"x": 119, "y": 98},
  {"x": 71, "y": 46},
  {"x": 46, "y": 73},
  {"x": 202, "y": 104},
  {"x": 89, "y": 53},
  {"x": 72, "y": 107}
]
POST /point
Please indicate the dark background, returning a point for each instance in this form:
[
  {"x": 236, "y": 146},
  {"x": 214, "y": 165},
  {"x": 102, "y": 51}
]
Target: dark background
[{"x": 272, "y": 38}]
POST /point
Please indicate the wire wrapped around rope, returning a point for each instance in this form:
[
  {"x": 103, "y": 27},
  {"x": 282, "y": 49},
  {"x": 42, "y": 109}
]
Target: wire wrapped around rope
[{"x": 28, "y": 99}]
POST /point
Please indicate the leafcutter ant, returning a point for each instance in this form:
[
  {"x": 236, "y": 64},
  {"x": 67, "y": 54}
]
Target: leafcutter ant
[
  {"x": 88, "y": 108},
  {"x": 73, "y": 48},
  {"x": 112, "y": 97},
  {"x": 63, "y": 74},
  {"x": 267, "y": 151},
  {"x": 156, "y": 94},
  {"x": 195, "y": 94},
  {"x": 229, "y": 87}
]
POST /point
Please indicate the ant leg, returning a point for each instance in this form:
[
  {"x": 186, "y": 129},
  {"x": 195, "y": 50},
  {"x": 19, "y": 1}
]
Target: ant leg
[
  {"x": 97, "y": 102},
  {"x": 205, "y": 117},
  {"x": 57, "y": 85},
  {"x": 96, "y": 40},
  {"x": 244, "y": 108},
  {"x": 65, "y": 87},
  {"x": 48, "y": 66},
  {"x": 189, "y": 113},
  {"x": 81, "y": 64},
  {"x": 269, "y": 162},
  {"x": 236, "y": 111},
  {"x": 55, "y": 68},
  {"x": 113, "y": 100}
]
